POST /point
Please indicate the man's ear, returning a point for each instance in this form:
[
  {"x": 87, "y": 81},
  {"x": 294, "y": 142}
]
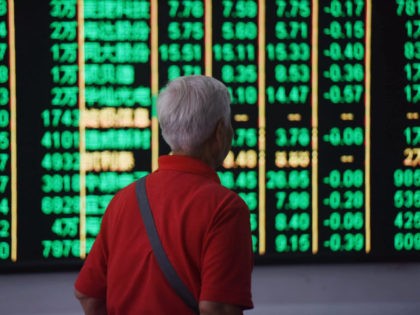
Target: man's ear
[{"x": 220, "y": 131}]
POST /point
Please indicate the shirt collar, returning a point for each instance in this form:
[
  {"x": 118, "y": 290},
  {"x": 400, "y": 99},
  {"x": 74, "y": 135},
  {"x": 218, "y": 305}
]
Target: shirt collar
[{"x": 187, "y": 164}]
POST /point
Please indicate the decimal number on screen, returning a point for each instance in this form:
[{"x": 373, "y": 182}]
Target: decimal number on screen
[
  {"x": 293, "y": 9},
  {"x": 345, "y": 242},
  {"x": 243, "y": 181},
  {"x": 345, "y": 221},
  {"x": 295, "y": 222},
  {"x": 292, "y": 243},
  {"x": 294, "y": 200},
  {"x": 293, "y": 137},
  {"x": 245, "y": 137},
  {"x": 242, "y": 159},
  {"x": 293, "y": 179},
  {"x": 348, "y": 199},
  {"x": 348, "y": 178},
  {"x": 186, "y": 9},
  {"x": 292, "y": 159},
  {"x": 240, "y": 9}
]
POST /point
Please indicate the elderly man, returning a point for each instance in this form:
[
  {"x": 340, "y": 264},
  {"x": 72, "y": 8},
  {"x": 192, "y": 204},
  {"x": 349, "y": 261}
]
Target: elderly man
[{"x": 203, "y": 227}]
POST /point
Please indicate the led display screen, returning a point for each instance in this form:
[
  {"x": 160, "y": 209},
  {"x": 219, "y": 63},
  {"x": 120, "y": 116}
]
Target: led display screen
[{"x": 325, "y": 109}]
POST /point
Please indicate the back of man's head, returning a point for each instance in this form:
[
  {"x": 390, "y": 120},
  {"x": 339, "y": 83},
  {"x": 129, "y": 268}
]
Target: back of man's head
[{"x": 189, "y": 109}]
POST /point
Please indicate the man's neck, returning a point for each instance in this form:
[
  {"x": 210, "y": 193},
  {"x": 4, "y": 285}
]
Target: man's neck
[{"x": 205, "y": 156}]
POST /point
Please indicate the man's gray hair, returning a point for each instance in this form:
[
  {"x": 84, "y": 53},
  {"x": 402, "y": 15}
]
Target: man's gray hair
[{"x": 189, "y": 109}]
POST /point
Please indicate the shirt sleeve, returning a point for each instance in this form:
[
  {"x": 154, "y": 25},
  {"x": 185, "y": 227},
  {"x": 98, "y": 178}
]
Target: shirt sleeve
[
  {"x": 228, "y": 257},
  {"x": 91, "y": 280}
]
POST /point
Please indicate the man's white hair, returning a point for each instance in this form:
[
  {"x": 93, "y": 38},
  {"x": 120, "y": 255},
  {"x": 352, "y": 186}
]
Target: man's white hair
[{"x": 189, "y": 109}]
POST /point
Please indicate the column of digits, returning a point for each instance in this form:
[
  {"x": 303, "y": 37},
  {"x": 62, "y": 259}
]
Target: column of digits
[
  {"x": 407, "y": 176},
  {"x": 235, "y": 59},
  {"x": 181, "y": 39},
  {"x": 60, "y": 139},
  {"x": 342, "y": 125},
  {"x": 5, "y": 139},
  {"x": 288, "y": 71}
]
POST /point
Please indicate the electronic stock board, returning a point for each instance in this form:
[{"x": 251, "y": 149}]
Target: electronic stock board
[{"x": 325, "y": 107}]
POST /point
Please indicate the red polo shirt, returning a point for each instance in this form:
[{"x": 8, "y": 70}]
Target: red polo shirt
[{"x": 204, "y": 229}]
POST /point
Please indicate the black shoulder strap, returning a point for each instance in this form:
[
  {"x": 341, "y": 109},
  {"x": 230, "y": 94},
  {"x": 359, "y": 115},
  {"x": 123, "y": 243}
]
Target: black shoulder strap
[{"x": 158, "y": 250}]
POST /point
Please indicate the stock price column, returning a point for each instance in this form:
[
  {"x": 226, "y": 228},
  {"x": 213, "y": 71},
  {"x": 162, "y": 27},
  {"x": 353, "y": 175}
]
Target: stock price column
[
  {"x": 343, "y": 126},
  {"x": 60, "y": 137},
  {"x": 116, "y": 112},
  {"x": 181, "y": 38},
  {"x": 406, "y": 178},
  {"x": 288, "y": 97},
  {"x": 235, "y": 62},
  {"x": 8, "y": 212}
]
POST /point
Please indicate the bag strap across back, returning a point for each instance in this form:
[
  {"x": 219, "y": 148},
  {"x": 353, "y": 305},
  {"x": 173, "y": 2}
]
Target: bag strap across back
[{"x": 162, "y": 259}]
